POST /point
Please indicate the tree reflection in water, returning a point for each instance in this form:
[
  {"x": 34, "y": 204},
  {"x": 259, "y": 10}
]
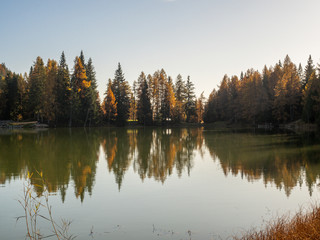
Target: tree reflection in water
[{"x": 65, "y": 155}]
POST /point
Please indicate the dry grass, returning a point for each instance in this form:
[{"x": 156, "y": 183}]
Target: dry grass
[{"x": 301, "y": 226}]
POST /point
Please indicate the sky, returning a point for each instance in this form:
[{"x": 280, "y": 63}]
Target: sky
[{"x": 201, "y": 38}]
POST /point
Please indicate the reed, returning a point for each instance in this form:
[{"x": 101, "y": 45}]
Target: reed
[
  {"x": 303, "y": 225},
  {"x": 38, "y": 210}
]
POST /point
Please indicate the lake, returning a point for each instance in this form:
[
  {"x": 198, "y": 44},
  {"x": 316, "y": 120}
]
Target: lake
[{"x": 158, "y": 183}]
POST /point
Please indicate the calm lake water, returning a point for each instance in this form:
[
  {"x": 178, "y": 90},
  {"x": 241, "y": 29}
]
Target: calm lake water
[{"x": 157, "y": 183}]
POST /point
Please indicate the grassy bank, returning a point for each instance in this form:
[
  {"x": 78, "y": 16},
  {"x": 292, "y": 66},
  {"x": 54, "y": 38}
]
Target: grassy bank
[{"x": 303, "y": 225}]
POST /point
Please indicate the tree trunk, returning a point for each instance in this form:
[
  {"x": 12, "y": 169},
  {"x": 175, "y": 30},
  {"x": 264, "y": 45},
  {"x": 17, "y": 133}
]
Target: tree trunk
[{"x": 85, "y": 122}]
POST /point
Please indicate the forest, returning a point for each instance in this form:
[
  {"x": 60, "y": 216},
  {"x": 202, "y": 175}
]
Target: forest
[{"x": 55, "y": 95}]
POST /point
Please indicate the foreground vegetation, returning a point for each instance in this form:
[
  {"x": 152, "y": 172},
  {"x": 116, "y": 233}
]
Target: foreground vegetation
[
  {"x": 52, "y": 94},
  {"x": 301, "y": 226}
]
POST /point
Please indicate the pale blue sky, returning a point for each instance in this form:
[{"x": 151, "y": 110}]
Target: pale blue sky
[{"x": 201, "y": 38}]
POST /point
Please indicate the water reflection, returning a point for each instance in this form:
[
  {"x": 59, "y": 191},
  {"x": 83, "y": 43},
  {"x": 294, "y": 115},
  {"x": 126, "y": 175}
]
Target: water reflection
[
  {"x": 283, "y": 160},
  {"x": 71, "y": 156}
]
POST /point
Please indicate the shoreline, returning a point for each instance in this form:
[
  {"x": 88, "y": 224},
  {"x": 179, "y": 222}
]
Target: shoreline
[{"x": 297, "y": 126}]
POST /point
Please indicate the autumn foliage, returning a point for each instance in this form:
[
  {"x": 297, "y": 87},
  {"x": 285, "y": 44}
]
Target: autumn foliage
[
  {"x": 50, "y": 93},
  {"x": 301, "y": 226}
]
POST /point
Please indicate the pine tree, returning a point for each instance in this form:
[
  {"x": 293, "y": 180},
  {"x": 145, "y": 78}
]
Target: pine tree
[
  {"x": 89, "y": 102},
  {"x": 200, "y": 108},
  {"x": 168, "y": 103},
  {"x": 308, "y": 94},
  {"x": 121, "y": 92},
  {"x": 293, "y": 87},
  {"x": 82, "y": 59},
  {"x": 210, "y": 108},
  {"x": 234, "y": 89},
  {"x": 36, "y": 92},
  {"x": 287, "y": 93},
  {"x": 50, "y": 86},
  {"x": 180, "y": 96},
  {"x": 11, "y": 109},
  {"x": 279, "y": 112},
  {"x": 144, "y": 111},
  {"x": 223, "y": 99},
  {"x": 110, "y": 105},
  {"x": 79, "y": 84},
  {"x": 180, "y": 89},
  {"x": 62, "y": 92},
  {"x": 309, "y": 69},
  {"x": 20, "y": 101},
  {"x": 190, "y": 105},
  {"x": 253, "y": 98}
]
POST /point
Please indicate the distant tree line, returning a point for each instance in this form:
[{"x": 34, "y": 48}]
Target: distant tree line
[
  {"x": 280, "y": 94},
  {"x": 49, "y": 93},
  {"x": 52, "y": 94}
]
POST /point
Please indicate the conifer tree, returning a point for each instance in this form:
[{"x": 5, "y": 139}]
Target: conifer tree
[
  {"x": 200, "y": 108},
  {"x": 223, "y": 99},
  {"x": 180, "y": 89},
  {"x": 234, "y": 90},
  {"x": 293, "y": 86},
  {"x": 62, "y": 92},
  {"x": 50, "y": 86},
  {"x": 168, "y": 103},
  {"x": 11, "y": 108},
  {"x": 110, "y": 104},
  {"x": 180, "y": 96},
  {"x": 190, "y": 105},
  {"x": 121, "y": 92},
  {"x": 210, "y": 108},
  {"x": 36, "y": 91},
  {"x": 79, "y": 84},
  {"x": 287, "y": 93},
  {"x": 82, "y": 59},
  {"x": 144, "y": 111},
  {"x": 253, "y": 97},
  {"x": 309, "y": 69},
  {"x": 308, "y": 94},
  {"x": 89, "y": 102}
]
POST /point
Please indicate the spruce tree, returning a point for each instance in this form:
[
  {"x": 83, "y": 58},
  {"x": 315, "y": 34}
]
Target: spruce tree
[
  {"x": 90, "y": 103},
  {"x": 11, "y": 109},
  {"x": 144, "y": 111},
  {"x": 110, "y": 104},
  {"x": 200, "y": 108},
  {"x": 309, "y": 69},
  {"x": 82, "y": 59},
  {"x": 180, "y": 96},
  {"x": 36, "y": 92},
  {"x": 79, "y": 85},
  {"x": 62, "y": 92},
  {"x": 50, "y": 86},
  {"x": 308, "y": 102},
  {"x": 121, "y": 92},
  {"x": 168, "y": 102},
  {"x": 190, "y": 100}
]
